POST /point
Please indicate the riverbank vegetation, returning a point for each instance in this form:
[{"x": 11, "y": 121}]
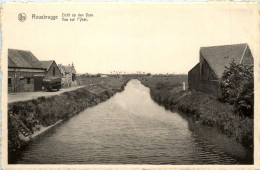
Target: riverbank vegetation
[
  {"x": 237, "y": 88},
  {"x": 32, "y": 115},
  {"x": 29, "y": 116},
  {"x": 204, "y": 108}
]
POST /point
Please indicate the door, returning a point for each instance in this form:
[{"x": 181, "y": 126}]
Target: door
[{"x": 38, "y": 80}]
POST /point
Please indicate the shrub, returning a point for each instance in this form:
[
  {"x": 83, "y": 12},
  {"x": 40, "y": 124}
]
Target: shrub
[{"x": 237, "y": 88}]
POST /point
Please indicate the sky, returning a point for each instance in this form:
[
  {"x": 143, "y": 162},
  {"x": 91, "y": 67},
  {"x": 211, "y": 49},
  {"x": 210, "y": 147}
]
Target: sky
[{"x": 128, "y": 37}]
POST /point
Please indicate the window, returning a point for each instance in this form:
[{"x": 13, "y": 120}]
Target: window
[
  {"x": 28, "y": 80},
  {"x": 73, "y": 77},
  {"x": 9, "y": 82},
  {"x": 53, "y": 71}
]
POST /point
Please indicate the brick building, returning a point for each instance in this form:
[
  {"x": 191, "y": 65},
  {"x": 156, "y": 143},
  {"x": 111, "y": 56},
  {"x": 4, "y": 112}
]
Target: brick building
[
  {"x": 25, "y": 72},
  {"x": 205, "y": 76}
]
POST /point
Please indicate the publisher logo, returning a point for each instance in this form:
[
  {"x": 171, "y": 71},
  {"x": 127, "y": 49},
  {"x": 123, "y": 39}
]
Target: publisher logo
[{"x": 21, "y": 17}]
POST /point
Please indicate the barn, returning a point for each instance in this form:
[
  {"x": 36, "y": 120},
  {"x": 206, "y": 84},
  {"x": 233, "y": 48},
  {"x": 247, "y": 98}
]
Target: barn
[
  {"x": 205, "y": 76},
  {"x": 25, "y": 72},
  {"x": 52, "y": 69}
]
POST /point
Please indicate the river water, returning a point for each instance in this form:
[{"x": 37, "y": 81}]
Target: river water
[{"x": 130, "y": 128}]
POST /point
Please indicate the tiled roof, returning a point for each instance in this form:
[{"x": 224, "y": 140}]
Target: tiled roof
[
  {"x": 11, "y": 63},
  {"x": 220, "y": 56},
  {"x": 22, "y": 59},
  {"x": 47, "y": 64}
]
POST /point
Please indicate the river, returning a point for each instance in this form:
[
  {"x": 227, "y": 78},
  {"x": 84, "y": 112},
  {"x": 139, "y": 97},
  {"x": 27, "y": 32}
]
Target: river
[{"x": 130, "y": 128}]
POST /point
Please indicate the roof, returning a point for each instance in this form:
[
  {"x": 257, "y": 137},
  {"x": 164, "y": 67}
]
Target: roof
[
  {"x": 22, "y": 59},
  {"x": 220, "y": 56},
  {"x": 11, "y": 63},
  {"x": 68, "y": 69},
  {"x": 47, "y": 64},
  {"x": 195, "y": 67}
]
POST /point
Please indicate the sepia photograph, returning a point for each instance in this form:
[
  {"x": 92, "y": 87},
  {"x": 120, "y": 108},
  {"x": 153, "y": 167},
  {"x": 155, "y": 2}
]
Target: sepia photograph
[{"x": 129, "y": 84}]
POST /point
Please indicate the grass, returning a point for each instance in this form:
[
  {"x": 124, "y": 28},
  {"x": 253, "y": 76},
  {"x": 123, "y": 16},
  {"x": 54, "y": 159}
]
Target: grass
[
  {"x": 45, "y": 111},
  {"x": 165, "y": 90},
  {"x": 204, "y": 108}
]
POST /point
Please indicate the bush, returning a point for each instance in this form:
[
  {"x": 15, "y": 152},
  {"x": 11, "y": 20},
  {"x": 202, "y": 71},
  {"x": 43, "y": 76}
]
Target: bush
[{"x": 237, "y": 88}]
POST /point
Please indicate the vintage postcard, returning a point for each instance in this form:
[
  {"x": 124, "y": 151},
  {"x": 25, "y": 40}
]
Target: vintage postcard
[{"x": 130, "y": 85}]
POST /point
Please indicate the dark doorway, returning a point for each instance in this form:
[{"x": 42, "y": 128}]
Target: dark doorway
[{"x": 38, "y": 83}]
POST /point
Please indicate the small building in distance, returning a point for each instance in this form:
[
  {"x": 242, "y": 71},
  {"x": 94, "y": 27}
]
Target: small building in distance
[
  {"x": 25, "y": 72},
  {"x": 103, "y": 75},
  {"x": 68, "y": 75},
  {"x": 205, "y": 76}
]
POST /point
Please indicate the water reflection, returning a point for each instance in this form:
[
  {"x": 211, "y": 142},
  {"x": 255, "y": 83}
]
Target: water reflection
[{"x": 130, "y": 128}]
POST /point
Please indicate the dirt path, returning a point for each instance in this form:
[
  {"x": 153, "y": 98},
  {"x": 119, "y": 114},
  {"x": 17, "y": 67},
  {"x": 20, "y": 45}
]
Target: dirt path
[{"x": 15, "y": 97}]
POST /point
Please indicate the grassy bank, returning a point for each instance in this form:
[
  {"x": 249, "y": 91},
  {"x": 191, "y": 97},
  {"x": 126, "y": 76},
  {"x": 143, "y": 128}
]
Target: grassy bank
[
  {"x": 204, "y": 108},
  {"x": 30, "y": 116}
]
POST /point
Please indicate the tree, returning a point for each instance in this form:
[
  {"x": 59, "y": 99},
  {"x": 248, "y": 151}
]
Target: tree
[{"x": 237, "y": 88}]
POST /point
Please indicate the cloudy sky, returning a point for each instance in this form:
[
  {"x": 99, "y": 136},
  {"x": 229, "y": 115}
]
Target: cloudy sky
[{"x": 155, "y": 38}]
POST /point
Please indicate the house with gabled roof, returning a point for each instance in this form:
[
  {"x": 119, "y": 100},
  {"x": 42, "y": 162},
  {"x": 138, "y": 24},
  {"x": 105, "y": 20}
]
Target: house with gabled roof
[
  {"x": 68, "y": 75},
  {"x": 25, "y": 72},
  {"x": 53, "y": 77},
  {"x": 205, "y": 76},
  {"x": 52, "y": 69}
]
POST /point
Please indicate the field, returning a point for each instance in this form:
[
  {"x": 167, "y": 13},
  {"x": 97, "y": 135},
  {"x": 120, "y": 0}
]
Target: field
[
  {"x": 98, "y": 84},
  {"x": 167, "y": 81},
  {"x": 82, "y": 80}
]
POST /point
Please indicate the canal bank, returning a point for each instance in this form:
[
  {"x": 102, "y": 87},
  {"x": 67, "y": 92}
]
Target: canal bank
[
  {"x": 130, "y": 128},
  {"x": 29, "y": 119},
  {"x": 203, "y": 108}
]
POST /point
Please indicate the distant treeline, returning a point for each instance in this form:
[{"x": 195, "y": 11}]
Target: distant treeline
[{"x": 147, "y": 74}]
